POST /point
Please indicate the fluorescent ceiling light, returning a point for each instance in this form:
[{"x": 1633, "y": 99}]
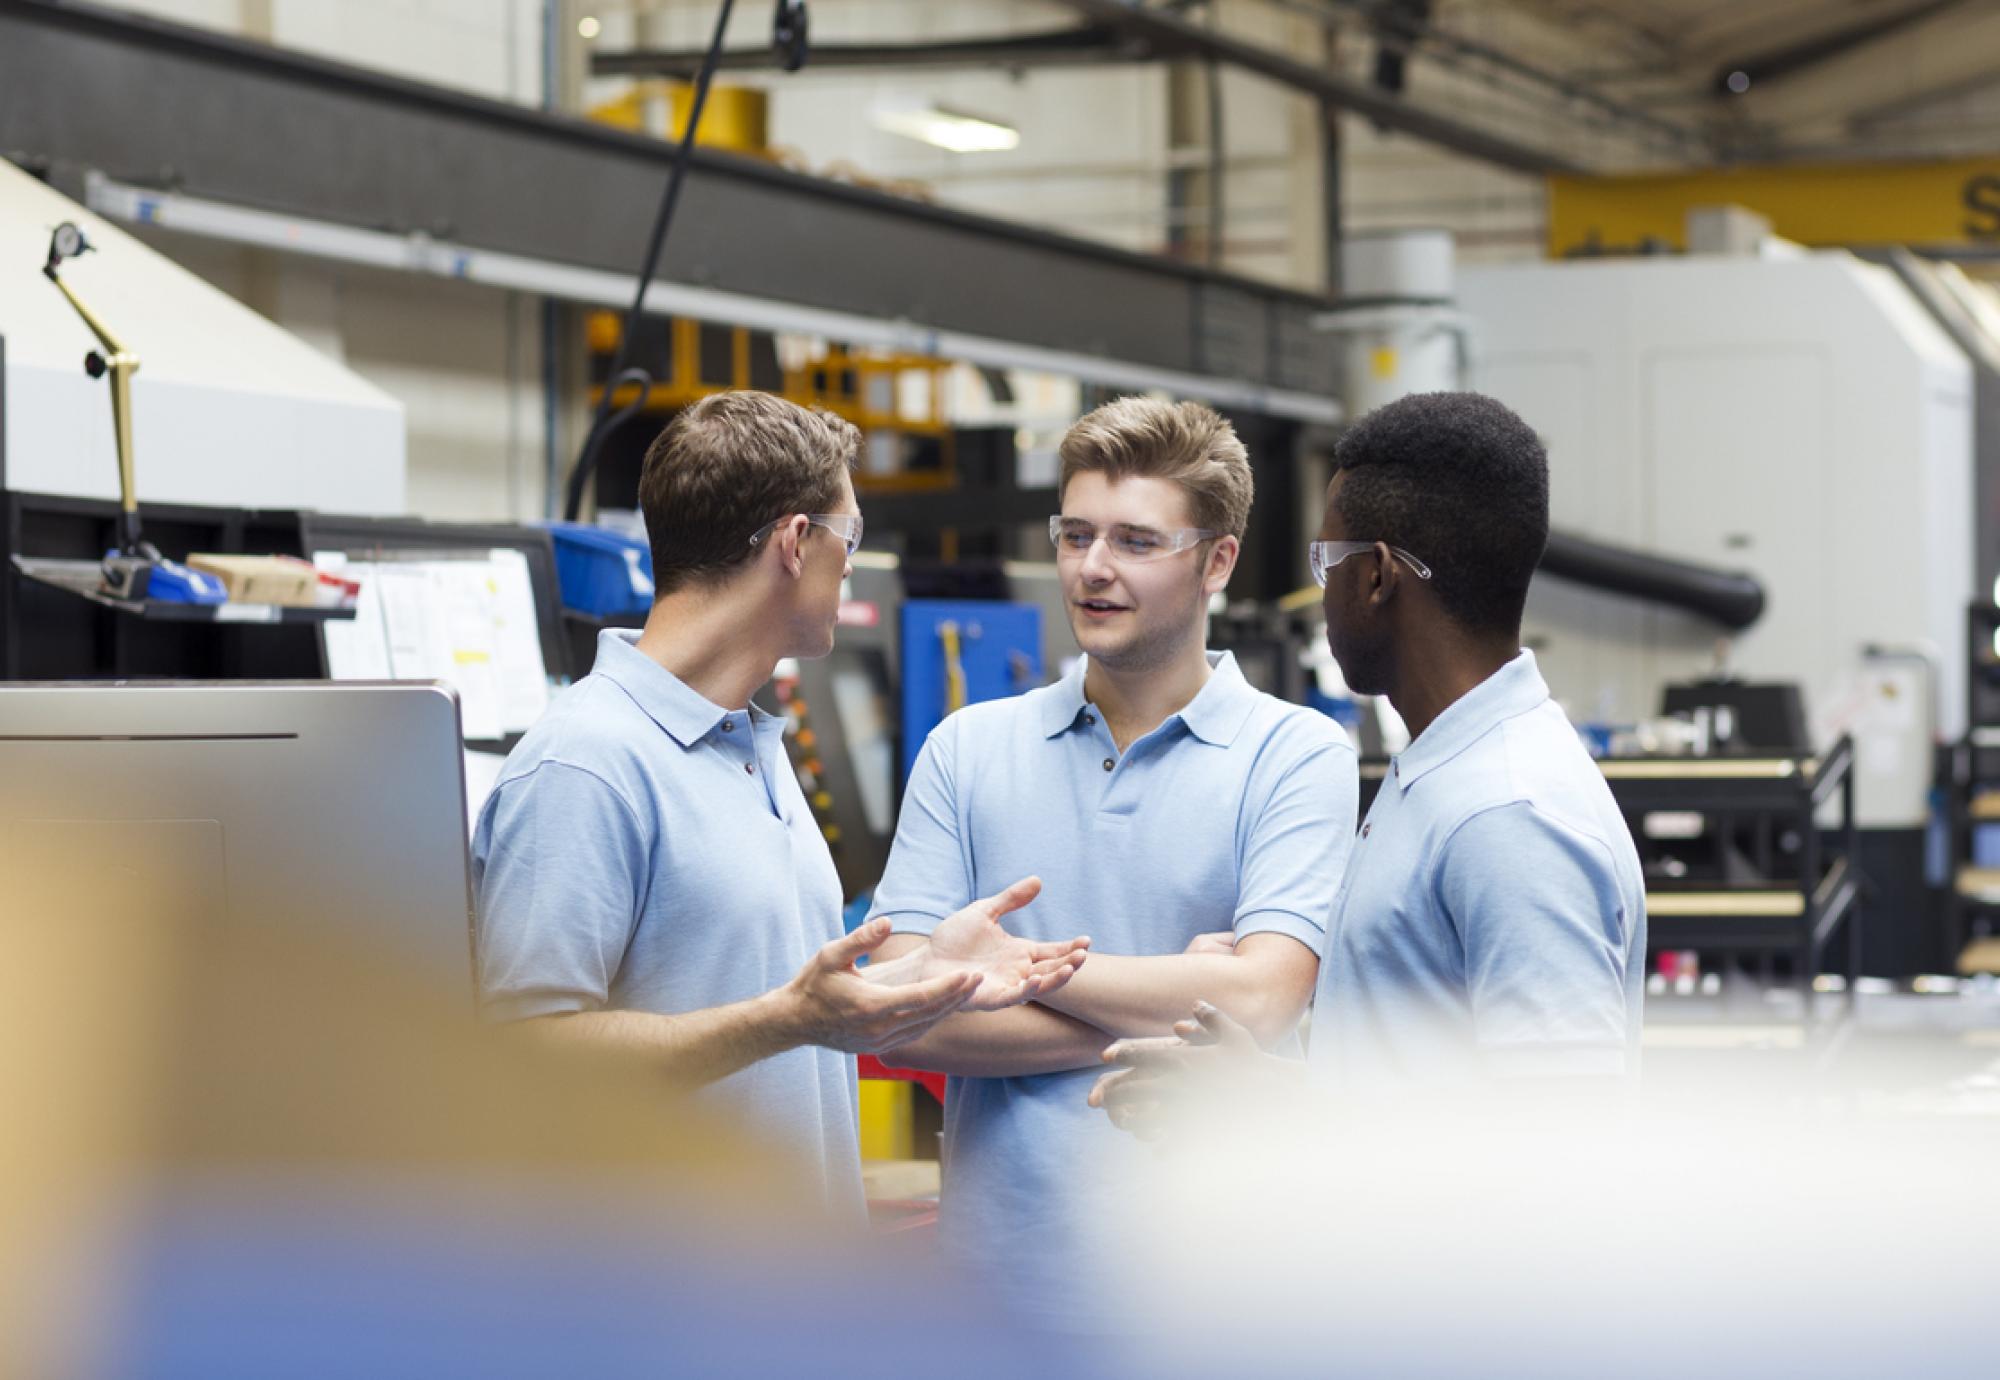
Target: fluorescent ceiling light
[{"x": 945, "y": 129}]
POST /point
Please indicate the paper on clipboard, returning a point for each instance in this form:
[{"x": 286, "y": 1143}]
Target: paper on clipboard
[
  {"x": 357, "y": 649},
  {"x": 517, "y": 642},
  {"x": 468, "y": 622}
]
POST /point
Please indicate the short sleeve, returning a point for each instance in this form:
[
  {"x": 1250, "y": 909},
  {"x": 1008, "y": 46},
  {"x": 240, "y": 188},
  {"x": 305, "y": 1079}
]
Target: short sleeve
[
  {"x": 560, "y": 863},
  {"x": 927, "y": 877},
  {"x": 1297, "y": 847},
  {"x": 1538, "y": 910}
]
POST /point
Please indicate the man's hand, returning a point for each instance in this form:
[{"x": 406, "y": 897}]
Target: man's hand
[
  {"x": 1155, "y": 1073},
  {"x": 831, "y": 1003},
  {"x": 1009, "y": 970},
  {"x": 1219, "y": 942}
]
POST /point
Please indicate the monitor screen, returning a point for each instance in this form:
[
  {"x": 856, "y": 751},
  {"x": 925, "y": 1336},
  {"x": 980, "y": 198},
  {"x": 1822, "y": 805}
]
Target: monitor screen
[{"x": 338, "y": 807}]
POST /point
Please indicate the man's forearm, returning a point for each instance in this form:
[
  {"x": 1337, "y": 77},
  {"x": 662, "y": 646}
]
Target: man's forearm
[
  {"x": 1015, "y": 1043},
  {"x": 694, "y": 1048},
  {"x": 1136, "y": 995}
]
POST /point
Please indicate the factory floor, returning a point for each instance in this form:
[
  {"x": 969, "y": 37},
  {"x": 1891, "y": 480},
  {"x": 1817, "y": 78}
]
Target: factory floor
[{"x": 1926, "y": 1047}]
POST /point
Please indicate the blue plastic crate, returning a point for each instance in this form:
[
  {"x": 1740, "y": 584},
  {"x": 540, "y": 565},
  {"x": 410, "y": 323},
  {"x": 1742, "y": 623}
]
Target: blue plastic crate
[{"x": 602, "y": 573}]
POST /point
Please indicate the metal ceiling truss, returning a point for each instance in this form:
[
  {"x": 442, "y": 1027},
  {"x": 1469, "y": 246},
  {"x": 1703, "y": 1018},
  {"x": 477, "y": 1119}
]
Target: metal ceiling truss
[{"x": 211, "y": 123}]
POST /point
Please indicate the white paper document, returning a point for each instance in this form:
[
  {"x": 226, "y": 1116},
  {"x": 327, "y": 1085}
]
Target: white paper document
[{"x": 468, "y": 622}]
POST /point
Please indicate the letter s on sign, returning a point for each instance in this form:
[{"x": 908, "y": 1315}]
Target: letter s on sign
[{"x": 1982, "y": 199}]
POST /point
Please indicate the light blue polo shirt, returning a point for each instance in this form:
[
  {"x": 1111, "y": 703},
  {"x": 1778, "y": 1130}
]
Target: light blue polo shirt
[
  {"x": 646, "y": 850},
  {"x": 1494, "y": 913},
  {"x": 1236, "y": 813}
]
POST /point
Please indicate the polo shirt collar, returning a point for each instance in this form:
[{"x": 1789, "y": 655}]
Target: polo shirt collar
[
  {"x": 1511, "y": 691},
  {"x": 1063, "y": 701},
  {"x": 1215, "y": 715},
  {"x": 666, "y": 699},
  {"x": 1221, "y": 706}
]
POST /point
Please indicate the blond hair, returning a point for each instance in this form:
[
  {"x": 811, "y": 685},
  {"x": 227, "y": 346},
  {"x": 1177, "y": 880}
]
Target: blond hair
[{"x": 1186, "y": 443}]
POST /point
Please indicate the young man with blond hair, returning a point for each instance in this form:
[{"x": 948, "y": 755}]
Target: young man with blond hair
[
  {"x": 650, "y": 879},
  {"x": 1193, "y": 826}
]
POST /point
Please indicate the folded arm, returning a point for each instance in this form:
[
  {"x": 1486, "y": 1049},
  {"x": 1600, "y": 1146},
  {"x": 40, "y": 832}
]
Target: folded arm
[
  {"x": 1014, "y": 1043},
  {"x": 1265, "y": 982}
]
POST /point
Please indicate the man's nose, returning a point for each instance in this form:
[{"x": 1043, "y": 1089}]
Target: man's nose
[{"x": 1097, "y": 561}]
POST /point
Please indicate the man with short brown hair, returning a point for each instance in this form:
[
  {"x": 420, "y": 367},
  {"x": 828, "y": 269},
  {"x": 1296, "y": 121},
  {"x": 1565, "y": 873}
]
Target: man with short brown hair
[
  {"x": 1193, "y": 826},
  {"x": 728, "y": 463},
  {"x": 650, "y": 878}
]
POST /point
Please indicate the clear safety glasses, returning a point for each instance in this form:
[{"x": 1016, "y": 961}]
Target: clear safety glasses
[
  {"x": 1074, "y": 537},
  {"x": 846, "y": 526},
  {"x": 1325, "y": 555}
]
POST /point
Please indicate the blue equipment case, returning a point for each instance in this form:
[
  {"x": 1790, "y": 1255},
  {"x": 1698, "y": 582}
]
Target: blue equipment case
[{"x": 1000, "y": 651}]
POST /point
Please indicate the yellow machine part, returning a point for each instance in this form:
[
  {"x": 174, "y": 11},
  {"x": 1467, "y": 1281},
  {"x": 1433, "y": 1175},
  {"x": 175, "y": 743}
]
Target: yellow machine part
[
  {"x": 954, "y": 667},
  {"x": 737, "y": 118},
  {"x": 887, "y": 1132}
]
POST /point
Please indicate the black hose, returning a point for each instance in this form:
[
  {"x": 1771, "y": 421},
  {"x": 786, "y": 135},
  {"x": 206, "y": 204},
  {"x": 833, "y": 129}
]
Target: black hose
[
  {"x": 603, "y": 419},
  {"x": 1732, "y": 598}
]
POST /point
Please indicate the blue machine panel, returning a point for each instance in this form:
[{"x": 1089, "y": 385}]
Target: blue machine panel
[{"x": 999, "y": 650}]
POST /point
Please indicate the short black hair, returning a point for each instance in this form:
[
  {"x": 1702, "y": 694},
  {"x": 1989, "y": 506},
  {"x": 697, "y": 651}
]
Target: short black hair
[{"x": 1460, "y": 482}]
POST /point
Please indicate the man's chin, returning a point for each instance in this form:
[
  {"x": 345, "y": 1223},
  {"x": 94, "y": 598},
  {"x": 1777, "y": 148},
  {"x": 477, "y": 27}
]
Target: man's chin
[
  {"x": 1099, "y": 644},
  {"x": 813, "y": 648},
  {"x": 1361, "y": 678}
]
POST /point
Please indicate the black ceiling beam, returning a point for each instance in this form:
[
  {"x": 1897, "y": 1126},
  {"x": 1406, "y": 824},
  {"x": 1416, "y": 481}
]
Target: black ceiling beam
[
  {"x": 1449, "y": 49},
  {"x": 1061, "y": 47},
  {"x": 1772, "y": 65},
  {"x": 1172, "y": 36},
  {"x": 166, "y": 106}
]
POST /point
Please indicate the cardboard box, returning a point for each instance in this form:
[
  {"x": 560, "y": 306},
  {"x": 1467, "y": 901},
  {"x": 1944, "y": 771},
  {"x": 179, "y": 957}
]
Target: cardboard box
[{"x": 262, "y": 579}]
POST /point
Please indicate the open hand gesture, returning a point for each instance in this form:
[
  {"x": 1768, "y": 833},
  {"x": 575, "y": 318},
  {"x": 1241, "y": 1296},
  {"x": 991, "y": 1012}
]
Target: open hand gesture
[{"x": 971, "y": 942}]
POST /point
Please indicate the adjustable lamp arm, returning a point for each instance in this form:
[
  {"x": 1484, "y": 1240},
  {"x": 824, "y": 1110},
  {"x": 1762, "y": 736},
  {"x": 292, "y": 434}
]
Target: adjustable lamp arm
[{"x": 67, "y": 243}]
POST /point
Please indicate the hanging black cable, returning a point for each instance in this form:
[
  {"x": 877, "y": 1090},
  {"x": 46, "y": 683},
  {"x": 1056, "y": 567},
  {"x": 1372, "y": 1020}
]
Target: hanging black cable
[{"x": 604, "y": 418}]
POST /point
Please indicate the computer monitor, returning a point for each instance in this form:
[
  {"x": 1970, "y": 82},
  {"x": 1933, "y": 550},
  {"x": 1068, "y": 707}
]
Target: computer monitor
[{"x": 340, "y": 807}]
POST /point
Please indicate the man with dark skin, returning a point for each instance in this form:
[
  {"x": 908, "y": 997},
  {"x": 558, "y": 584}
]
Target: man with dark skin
[{"x": 1492, "y": 918}]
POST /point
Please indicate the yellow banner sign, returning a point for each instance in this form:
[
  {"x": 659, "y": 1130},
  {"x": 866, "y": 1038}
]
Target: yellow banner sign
[{"x": 1932, "y": 205}]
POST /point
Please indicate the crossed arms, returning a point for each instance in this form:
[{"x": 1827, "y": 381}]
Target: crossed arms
[
  {"x": 1288, "y": 864},
  {"x": 1266, "y": 978}
]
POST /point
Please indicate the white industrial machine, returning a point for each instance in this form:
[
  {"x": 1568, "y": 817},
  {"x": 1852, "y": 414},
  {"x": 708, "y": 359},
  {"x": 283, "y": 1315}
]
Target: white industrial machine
[
  {"x": 232, "y": 410},
  {"x": 1400, "y": 325},
  {"x": 1796, "y": 416}
]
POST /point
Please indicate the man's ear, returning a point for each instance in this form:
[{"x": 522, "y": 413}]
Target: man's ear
[
  {"x": 1221, "y": 564},
  {"x": 789, "y": 537},
  {"x": 1386, "y": 580}
]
